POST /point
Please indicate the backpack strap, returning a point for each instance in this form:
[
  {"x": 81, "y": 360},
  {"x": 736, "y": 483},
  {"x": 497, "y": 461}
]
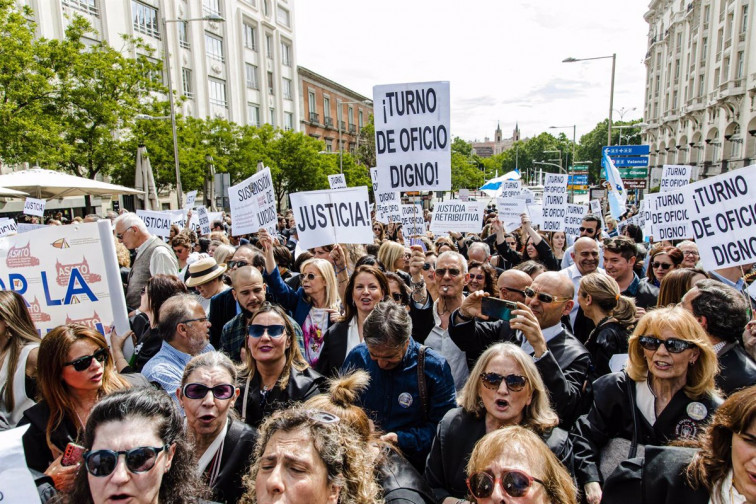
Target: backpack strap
[{"x": 421, "y": 384}]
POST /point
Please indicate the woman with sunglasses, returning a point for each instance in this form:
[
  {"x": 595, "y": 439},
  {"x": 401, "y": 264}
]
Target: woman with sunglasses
[
  {"x": 662, "y": 260},
  {"x": 274, "y": 373},
  {"x": 481, "y": 278},
  {"x": 379, "y": 232},
  {"x": 514, "y": 463},
  {"x": 367, "y": 286},
  {"x": 74, "y": 371},
  {"x": 137, "y": 452},
  {"x": 666, "y": 393},
  {"x": 221, "y": 445},
  {"x": 504, "y": 388}
]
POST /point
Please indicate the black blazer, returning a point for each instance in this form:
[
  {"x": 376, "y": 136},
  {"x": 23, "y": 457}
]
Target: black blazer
[
  {"x": 736, "y": 369},
  {"x": 38, "y": 454},
  {"x": 401, "y": 482},
  {"x": 606, "y": 340},
  {"x": 334, "y": 352},
  {"x": 238, "y": 447},
  {"x": 222, "y": 309}
]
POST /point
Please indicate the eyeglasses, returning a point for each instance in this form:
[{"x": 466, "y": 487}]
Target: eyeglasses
[
  {"x": 144, "y": 290},
  {"x": 101, "y": 463},
  {"x": 310, "y": 276},
  {"x": 673, "y": 345},
  {"x": 274, "y": 331},
  {"x": 510, "y": 289},
  {"x": 427, "y": 266},
  {"x": 199, "y": 391},
  {"x": 478, "y": 277},
  {"x": 453, "y": 272},
  {"x": 690, "y": 253},
  {"x": 543, "y": 297},
  {"x": 514, "y": 483},
  {"x": 584, "y": 229},
  {"x": 397, "y": 296},
  {"x": 237, "y": 264},
  {"x": 514, "y": 382},
  {"x": 201, "y": 319},
  {"x": 83, "y": 363},
  {"x": 120, "y": 235},
  {"x": 664, "y": 266}
]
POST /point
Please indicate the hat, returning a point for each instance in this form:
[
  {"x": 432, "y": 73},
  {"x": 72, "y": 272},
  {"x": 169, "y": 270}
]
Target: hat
[{"x": 203, "y": 271}]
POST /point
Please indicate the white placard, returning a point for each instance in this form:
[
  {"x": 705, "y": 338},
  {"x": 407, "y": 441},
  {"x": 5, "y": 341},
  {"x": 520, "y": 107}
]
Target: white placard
[
  {"x": 413, "y": 223},
  {"x": 554, "y": 202},
  {"x": 464, "y": 194},
  {"x": 332, "y": 216},
  {"x": 203, "y": 220},
  {"x": 34, "y": 206},
  {"x": 573, "y": 219},
  {"x": 510, "y": 211},
  {"x": 527, "y": 195},
  {"x": 337, "y": 181},
  {"x": 670, "y": 215},
  {"x": 387, "y": 204},
  {"x": 25, "y": 227},
  {"x": 253, "y": 205},
  {"x": 412, "y": 140},
  {"x": 674, "y": 177},
  {"x": 191, "y": 197},
  {"x": 536, "y": 214},
  {"x": 723, "y": 218},
  {"x": 596, "y": 207},
  {"x": 8, "y": 226},
  {"x": 457, "y": 215},
  {"x": 16, "y": 482},
  {"x": 510, "y": 189},
  {"x": 159, "y": 223}
]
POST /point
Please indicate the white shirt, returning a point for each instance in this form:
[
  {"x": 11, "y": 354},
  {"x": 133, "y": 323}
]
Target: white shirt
[
  {"x": 438, "y": 339},
  {"x": 353, "y": 335},
  {"x": 574, "y": 274},
  {"x": 645, "y": 401},
  {"x": 548, "y": 334}
]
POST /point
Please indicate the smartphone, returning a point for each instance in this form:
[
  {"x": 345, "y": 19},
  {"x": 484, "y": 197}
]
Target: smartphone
[
  {"x": 497, "y": 309},
  {"x": 73, "y": 454},
  {"x": 418, "y": 241}
]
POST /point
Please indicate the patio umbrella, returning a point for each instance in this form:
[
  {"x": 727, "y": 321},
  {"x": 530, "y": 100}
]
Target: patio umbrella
[
  {"x": 49, "y": 184},
  {"x": 12, "y": 193},
  {"x": 145, "y": 181},
  {"x": 493, "y": 187}
]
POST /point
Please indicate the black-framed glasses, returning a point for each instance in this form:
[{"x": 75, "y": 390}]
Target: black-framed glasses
[
  {"x": 427, "y": 266},
  {"x": 453, "y": 272},
  {"x": 514, "y": 483},
  {"x": 199, "y": 391},
  {"x": 274, "y": 331},
  {"x": 83, "y": 363},
  {"x": 510, "y": 289},
  {"x": 101, "y": 463},
  {"x": 514, "y": 382},
  {"x": 690, "y": 253},
  {"x": 543, "y": 297},
  {"x": 673, "y": 345},
  {"x": 237, "y": 264},
  {"x": 120, "y": 235},
  {"x": 664, "y": 266},
  {"x": 189, "y": 321}
]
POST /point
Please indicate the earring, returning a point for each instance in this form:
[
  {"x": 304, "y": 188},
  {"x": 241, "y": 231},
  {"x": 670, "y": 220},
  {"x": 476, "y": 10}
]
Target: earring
[{"x": 480, "y": 404}]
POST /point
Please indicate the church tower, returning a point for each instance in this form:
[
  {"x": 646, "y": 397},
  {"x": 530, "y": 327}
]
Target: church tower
[
  {"x": 516, "y": 133},
  {"x": 497, "y": 135}
]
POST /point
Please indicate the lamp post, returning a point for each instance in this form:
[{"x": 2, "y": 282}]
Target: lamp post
[
  {"x": 211, "y": 17},
  {"x": 341, "y": 115},
  {"x": 611, "y": 92},
  {"x": 574, "y": 131}
]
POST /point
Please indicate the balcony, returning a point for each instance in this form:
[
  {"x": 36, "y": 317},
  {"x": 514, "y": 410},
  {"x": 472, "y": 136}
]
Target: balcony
[
  {"x": 352, "y": 129},
  {"x": 342, "y": 125},
  {"x": 741, "y": 37},
  {"x": 728, "y": 43},
  {"x": 314, "y": 117},
  {"x": 328, "y": 121}
]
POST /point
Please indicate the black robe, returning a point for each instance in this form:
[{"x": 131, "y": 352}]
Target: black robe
[{"x": 238, "y": 448}]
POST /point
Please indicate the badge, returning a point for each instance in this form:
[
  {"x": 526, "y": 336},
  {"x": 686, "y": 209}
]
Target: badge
[
  {"x": 405, "y": 400},
  {"x": 697, "y": 411},
  {"x": 686, "y": 429}
]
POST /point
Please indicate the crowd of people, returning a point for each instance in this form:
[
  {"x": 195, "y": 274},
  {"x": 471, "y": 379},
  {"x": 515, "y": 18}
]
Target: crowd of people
[{"x": 620, "y": 370}]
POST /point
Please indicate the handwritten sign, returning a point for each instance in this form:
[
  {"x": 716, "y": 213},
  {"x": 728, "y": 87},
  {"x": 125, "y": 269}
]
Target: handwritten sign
[
  {"x": 34, "y": 206},
  {"x": 203, "y": 219},
  {"x": 191, "y": 197},
  {"x": 413, "y": 223},
  {"x": 253, "y": 204},
  {"x": 387, "y": 204},
  {"x": 337, "y": 181}
]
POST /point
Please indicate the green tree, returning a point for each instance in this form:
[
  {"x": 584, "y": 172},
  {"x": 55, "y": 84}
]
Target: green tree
[{"x": 366, "y": 149}]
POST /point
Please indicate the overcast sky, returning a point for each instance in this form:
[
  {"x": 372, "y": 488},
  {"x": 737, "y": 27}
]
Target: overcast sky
[{"x": 503, "y": 58}]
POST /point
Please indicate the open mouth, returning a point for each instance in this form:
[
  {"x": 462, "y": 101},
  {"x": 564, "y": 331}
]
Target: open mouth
[
  {"x": 502, "y": 403},
  {"x": 119, "y": 497},
  {"x": 207, "y": 418},
  {"x": 662, "y": 365}
]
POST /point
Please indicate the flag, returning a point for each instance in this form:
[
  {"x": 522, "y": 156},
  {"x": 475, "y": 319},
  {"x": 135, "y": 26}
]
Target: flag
[{"x": 617, "y": 195}]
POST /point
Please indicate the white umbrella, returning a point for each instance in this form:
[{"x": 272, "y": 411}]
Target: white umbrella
[
  {"x": 48, "y": 184},
  {"x": 12, "y": 193}
]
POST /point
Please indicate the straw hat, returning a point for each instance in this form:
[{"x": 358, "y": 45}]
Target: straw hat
[{"x": 203, "y": 271}]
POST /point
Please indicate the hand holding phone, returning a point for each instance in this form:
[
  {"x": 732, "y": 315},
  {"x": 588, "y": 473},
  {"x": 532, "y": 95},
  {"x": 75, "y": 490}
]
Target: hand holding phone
[
  {"x": 497, "y": 309},
  {"x": 73, "y": 454}
]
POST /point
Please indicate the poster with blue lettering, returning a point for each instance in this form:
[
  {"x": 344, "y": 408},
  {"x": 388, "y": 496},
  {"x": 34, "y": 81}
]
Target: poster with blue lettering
[
  {"x": 253, "y": 204},
  {"x": 332, "y": 216},
  {"x": 67, "y": 275},
  {"x": 412, "y": 139}
]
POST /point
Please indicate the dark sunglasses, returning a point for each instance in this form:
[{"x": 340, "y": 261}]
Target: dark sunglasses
[
  {"x": 453, "y": 272},
  {"x": 397, "y": 296},
  {"x": 237, "y": 264},
  {"x": 120, "y": 235},
  {"x": 309, "y": 276},
  {"x": 584, "y": 229},
  {"x": 83, "y": 363},
  {"x": 479, "y": 278},
  {"x": 673, "y": 345},
  {"x": 199, "y": 391},
  {"x": 543, "y": 297},
  {"x": 514, "y": 382},
  {"x": 510, "y": 289},
  {"x": 427, "y": 266},
  {"x": 514, "y": 483},
  {"x": 664, "y": 266},
  {"x": 274, "y": 331},
  {"x": 101, "y": 463}
]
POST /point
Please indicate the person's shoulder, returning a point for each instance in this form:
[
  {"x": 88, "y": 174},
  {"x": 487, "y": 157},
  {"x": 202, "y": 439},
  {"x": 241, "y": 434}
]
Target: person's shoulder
[
  {"x": 359, "y": 355},
  {"x": 455, "y": 417},
  {"x": 36, "y": 415},
  {"x": 233, "y": 322},
  {"x": 610, "y": 383},
  {"x": 434, "y": 358}
]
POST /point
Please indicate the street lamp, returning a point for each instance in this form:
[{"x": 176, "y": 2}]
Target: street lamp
[
  {"x": 210, "y": 17},
  {"x": 611, "y": 92},
  {"x": 341, "y": 115},
  {"x": 622, "y": 111},
  {"x": 626, "y": 126},
  {"x": 574, "y": 131},
  {"x": 557, "y": 151}
]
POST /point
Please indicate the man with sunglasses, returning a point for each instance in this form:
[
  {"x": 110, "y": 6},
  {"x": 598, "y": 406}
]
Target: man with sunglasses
[{"x": 537, "y": 327}]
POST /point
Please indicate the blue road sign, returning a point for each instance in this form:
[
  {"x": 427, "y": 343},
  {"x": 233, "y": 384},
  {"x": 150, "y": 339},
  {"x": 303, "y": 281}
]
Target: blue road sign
[
  {"x": 626, "y": 150},
  {"x": 577, "y": 180},
  {"x": 630, "y": 161}
]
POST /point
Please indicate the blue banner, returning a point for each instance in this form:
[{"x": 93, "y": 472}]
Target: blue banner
[{"x": 626, "y": 150}]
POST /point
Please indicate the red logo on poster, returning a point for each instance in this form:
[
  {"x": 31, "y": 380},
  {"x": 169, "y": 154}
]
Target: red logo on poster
[
  {"x": 64, "y": 272},
  {"x": 35, "y": 310},
  {"x": 20, "y": 257},
  {"x": 90, "y": 322}
]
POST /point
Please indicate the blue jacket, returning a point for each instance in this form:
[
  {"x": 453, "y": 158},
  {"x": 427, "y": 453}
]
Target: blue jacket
[
  {"x": 292, "y": 300},
  {"x": 387, "y": 388}
]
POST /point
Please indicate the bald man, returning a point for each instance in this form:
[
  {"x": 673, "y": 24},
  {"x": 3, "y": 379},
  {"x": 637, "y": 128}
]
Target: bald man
[
  {"x": 585, "y": 255},
  {"x": 560, "y": 358},
  {"x": 511, "y": 285}
]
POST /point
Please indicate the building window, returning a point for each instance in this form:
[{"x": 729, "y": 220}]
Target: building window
[
  {"x": 183, "y": 34},
  {"x": 253, "y": 114},
  {"x": 286, "y": 88},
  {"x": 217, "y": 92},
  {"x": 272, "y": 117},
  {"x": 269, "y": 45},
  {"x": 153, "y": 74},
  {"x": 326, "y": 107},
  {"x": 271, "y": 89},
  {"x": 288, "y": 121},
  {"x": 266, "y": 8},
  {"x": 88, "y": 6},
  {"x": 744, "y": 22},
  {"x": 350, "y": 115},
  {"x": 214, "y": 46},
  {"x": 211, "y": 7},
  {"x": 283, "y": 17},
  {"x": 701, "y": 85},
  {"x": 250, "y": 37},
  {"x": 726, "y": 69},
  {"x": 145, "y": 19},
  {"x": 741, "y": 62},
  {"x": 252, "y": 82},
  {"x": 285, "y": 54},
  {"x": 360, "y": 119},
  {"x": 186, "y": 82},
  {"x": 311, "y": 102}
]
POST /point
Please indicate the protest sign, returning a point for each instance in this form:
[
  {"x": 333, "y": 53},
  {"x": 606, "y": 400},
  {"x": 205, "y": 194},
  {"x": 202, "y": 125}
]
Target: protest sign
[
  {"x": 191, "y": 197},
  {"x": 159, "y": 223},
  {"x": 25, "y": 227},
  {"x": 670, "y": 215},
  {"x": 8, "y": 226},
  {"x": 464, "y": 194},
  {"x": 510, "y": 189},
  {"x": 413, "y": 223},
  {"x": 674, "y": 177},
  {"x": 253, "y": 204},
  {"x": 510, "y": 211},
  {"x": 16, "y": 482},
  {"x": 723, "y": 219},
  {"x": 412, "y": 142},
  {"x": 34, "y": 206},
  {"x": 573, "y": 219},
  {"x": 203, "y": 219},
  {"x": 527, "y": 195},
  {"x": 387, "y": 204},
  {"x": 67, "y": 274},
  {"x": 337, "y": 181},
  {"x": 332, "y": 216},
  {"x": 554, "y": 202},
  {"x": 535, "y": 211},
  {"x": 457, "y": 215},
  {"x": 596, "y": 207}
]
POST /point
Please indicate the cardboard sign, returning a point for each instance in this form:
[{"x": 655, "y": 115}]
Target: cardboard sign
[
  {"x": 7, "y": 227},
  {"x": 510, "y": 189},
  {"x": 34, "y": 206},
  {"x": 337, "y": 181},
  {"x": 412, "y": 139},
  {"x": 159, "y": 223},
  {"x": 457, "y": 215},
  {"x": 253, "y": 205},
  {"x": 332, "y": 216},
  {"x": 573, "y": 219},
  {"x": 670, "y": 215},
  {"x": 191, "y": 197},
  {"x": 724, "y": 218},
  {"x": 387, "y": 204},
  {"x": 203, "y": 219},
  {"x": 464, "y": 194},
  {"x": 674, "y": 177},
  {"x": 413, "y": 223},
  {"x": 554, "y": 202}
]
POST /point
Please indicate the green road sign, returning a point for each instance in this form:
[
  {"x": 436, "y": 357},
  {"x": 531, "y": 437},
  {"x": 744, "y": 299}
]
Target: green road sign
[{"x": 633, "y": 173}]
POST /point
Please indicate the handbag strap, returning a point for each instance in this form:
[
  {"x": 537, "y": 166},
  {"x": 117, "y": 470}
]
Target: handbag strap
[
  {"x": 422, "y": 386},
  {"x": 630, "y": 385},
  {"x": 244, "y": 400}
]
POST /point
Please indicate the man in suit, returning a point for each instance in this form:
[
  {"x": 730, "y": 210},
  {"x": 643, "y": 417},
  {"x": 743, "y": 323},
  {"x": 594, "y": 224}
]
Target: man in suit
[{"x": 536, "y": 326}]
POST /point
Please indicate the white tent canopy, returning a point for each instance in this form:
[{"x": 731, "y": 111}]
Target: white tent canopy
[
  {"x": 12, "y": 193},
  {"x": 48, "y": 184}
]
